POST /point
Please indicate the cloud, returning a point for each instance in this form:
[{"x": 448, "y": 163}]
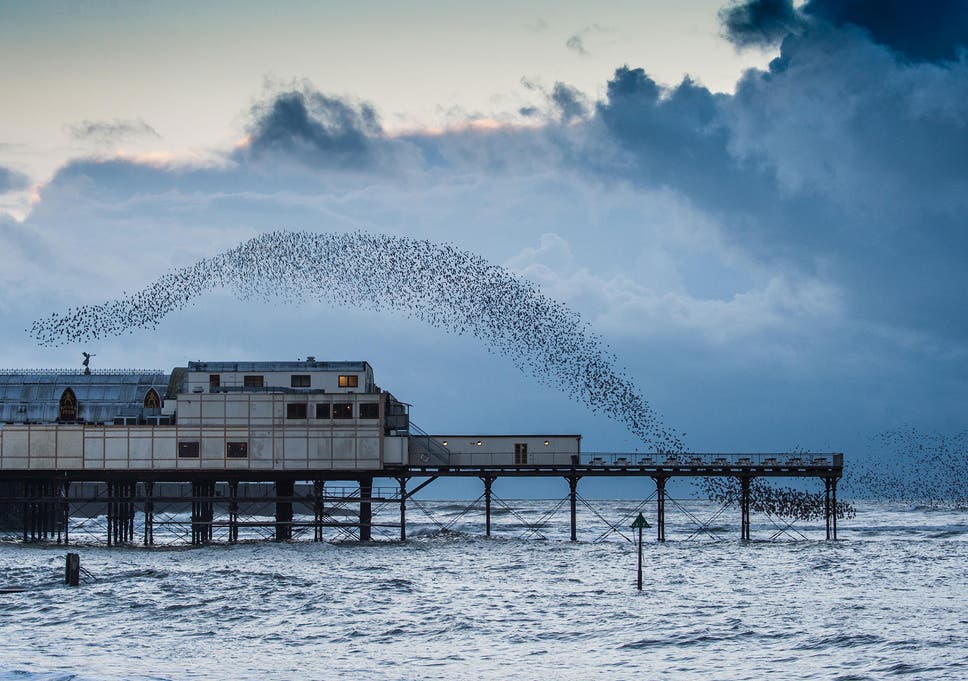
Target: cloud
[
  {"x": 571, "y": 103},
  {"x": 576, "y": 44},
  {"x": 111, "y": 132},
  {"x": 12, "y": 180},
  {"x": 933, "y": 31},
  {"x": 317, "y": 129},
  {"x": 759, "y": 23}
]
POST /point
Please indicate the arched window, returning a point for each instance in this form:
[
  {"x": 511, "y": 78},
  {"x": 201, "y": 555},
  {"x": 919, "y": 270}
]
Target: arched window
[
  {"x": 68, "y": 406},
  {"x": 152, "y": 401}
]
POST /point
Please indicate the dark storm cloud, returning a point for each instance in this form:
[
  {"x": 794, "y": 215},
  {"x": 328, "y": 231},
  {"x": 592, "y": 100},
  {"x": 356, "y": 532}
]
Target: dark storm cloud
[
  {"x": 317, "y": 129},
  {"x": 11, "y": 180},
  {"x": 933, "y": 31},
  {"x": 759, "y": 23},
  {"x": 107, "y": 132},
  {"x": 842, "y": 161},
  {"x": 569, "y": 102},
  {"x": 930, "y": 31}
]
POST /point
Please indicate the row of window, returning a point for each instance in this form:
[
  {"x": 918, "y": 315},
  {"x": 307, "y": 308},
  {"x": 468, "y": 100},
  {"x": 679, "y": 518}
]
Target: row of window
[
  {"x": 296, "y": 381},
  {"x": 189, "y": 449},
  {"x": 336, "y": 410}
]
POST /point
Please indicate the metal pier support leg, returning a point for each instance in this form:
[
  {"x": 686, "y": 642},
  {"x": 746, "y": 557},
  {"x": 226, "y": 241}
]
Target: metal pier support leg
[
  {"x": 66, "y": 511},
  {"x": 660, "y": 495},
  {"x": 403, "y": 508},
  {"x": 833, "y": 497},
  {"x": 573, "y": 498},
  {"x": 826, "y": 505},
  {"x": 745, "y": 507},
  {"x": 233, "y": 511},
  {"x": 149, "y": 536},
  {"x": 319, "y": 488},
  {"x": 366, "y": 509},
  {"x": 284, "y": 492},
  {"x": 488, "y": 481},
  {"x": 110, "y": 514}
]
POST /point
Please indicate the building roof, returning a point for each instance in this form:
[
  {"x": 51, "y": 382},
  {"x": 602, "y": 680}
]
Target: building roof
[
  {"x": 309, "y": 364},
  {"x": 34, "y": 395}
]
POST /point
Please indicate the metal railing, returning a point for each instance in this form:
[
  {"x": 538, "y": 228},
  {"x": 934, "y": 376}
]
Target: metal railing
[{"x": 619, "y": 460}]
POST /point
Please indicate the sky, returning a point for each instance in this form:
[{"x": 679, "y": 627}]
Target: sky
[{"x": 759, "y": 206}]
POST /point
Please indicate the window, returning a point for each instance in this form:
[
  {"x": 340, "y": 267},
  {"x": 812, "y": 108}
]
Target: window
[
  {"x": 296, "y": 410},
  {"x": 342, "y": 410},
  {"x": 369, "y": 410},
  {"x": 520, "y": 453},
  {"x": 68, "y": 406},
  {"x": 214, "y": 381},
  {"x": 300, "y": 381},
  {"x": 188, "y": 450},
  {"x": 322, "y": 411},
  {"x": 253, "y": 382},
  {"x": 152, "y": 401},
  {"x": 237, "y": 450},
  {"x": 349, "y": 381}
]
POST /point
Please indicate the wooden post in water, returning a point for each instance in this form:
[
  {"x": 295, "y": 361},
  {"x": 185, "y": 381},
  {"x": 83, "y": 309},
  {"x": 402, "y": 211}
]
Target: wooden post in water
[{"x": 72, "y": 575}]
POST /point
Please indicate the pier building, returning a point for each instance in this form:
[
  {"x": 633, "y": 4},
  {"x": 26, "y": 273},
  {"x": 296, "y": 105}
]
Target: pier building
[{"x": 213, "y": 437}]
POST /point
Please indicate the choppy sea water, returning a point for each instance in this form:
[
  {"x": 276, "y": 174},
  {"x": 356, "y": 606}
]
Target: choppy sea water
[{"x": 890, "y": 599}]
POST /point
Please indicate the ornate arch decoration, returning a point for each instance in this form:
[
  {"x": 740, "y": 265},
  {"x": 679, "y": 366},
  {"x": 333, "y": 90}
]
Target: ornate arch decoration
[
  {"x": 152, "y": 400},
  {"x": 67, "y": 410}
]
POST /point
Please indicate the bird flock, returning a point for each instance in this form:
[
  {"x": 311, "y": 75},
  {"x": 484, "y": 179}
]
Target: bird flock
[
  {"x": 439, "y": 284},
  {"x": 770, "y": 499},
  {"x": 908, "y": 465}
]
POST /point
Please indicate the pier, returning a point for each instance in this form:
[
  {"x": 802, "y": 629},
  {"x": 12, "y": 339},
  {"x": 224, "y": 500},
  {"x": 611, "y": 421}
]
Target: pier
[{"x": 125, "y": 508}]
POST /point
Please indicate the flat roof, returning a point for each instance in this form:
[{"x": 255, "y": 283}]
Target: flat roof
[{"x": 284, "y": 365}]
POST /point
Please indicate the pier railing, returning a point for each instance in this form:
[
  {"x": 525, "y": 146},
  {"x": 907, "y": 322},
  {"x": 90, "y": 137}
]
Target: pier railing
[{"x": 635, "y": 460}]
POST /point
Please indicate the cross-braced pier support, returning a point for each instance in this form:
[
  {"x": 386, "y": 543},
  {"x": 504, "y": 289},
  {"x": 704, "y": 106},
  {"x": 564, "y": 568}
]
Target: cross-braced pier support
[
  {"x": 43, "y": 512},
  {"x": 149, "y": 510},
  {"x": 203, "y": 512},
  {"x": 744, "y": 504},
  {"x": 120, "y": 516},
  {"x": 366, "y": 509},
  {"x": 830, "y": 507},
  {"x": 403, "y": 508},
  {"x": 573, "y": 499},
  {"x": 284, "y": 492},
  {"x": 660, "y": 499},
  {"x": 319, "y": 489},
  {"x": 488, "y": 481}
]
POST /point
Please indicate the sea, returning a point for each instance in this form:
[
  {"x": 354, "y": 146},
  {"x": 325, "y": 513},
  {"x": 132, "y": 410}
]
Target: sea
[{"x": 889, "y": 599}]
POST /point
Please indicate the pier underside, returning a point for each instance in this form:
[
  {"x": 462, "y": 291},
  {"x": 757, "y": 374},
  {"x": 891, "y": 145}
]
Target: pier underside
[{"x": 149, "y": 508}]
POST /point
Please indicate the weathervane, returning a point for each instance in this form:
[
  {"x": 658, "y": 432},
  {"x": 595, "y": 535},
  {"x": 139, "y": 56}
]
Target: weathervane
[{"x": 87, "y": 362}]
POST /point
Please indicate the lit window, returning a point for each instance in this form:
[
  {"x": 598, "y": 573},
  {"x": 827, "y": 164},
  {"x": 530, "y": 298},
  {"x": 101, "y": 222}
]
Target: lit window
[
  {"x": 300, "y": 381},
  {"x": 369, "y": 410},
  {"x": 296, "y": 410},
  {"x": 349, "y": 381},
  {"x": 253, "y": 382},
  {"x": 237, "y": 450},
  {"x": 188, "y": 450},
  {"x": 342, "y": 410},
  {"x": 68, "y": 406},
  {"x": 152, "y": 401},
  {"x": 322, "y": 411}
]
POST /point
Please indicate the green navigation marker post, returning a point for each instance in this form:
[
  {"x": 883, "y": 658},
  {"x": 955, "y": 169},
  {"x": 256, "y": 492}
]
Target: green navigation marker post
[{"x": 639, "y": 524}]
